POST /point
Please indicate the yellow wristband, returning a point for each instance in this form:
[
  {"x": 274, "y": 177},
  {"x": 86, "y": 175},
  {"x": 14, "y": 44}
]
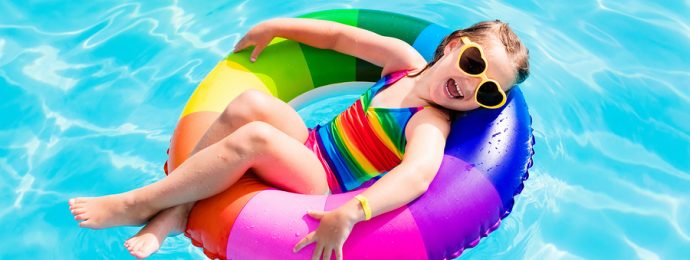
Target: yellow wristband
[{"x": 365, "y": 206}]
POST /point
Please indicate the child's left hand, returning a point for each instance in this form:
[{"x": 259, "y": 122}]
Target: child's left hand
[
  {"x": 331, "y": 234},
  {"x": 259, "y": 37}
]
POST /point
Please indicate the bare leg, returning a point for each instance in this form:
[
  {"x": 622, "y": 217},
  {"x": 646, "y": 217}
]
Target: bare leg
[
  {"x": 249, "y": 106},
  {"x": 275, "y": 157},
  {"x": 149, "y": 239}
]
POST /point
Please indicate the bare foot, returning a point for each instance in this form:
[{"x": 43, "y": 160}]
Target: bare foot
[
  {"x": 149, "y": 239},
  {"x": 109, "y": 211}
]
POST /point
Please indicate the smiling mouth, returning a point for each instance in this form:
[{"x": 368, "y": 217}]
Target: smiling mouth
[{"x": 453, "y": 90}]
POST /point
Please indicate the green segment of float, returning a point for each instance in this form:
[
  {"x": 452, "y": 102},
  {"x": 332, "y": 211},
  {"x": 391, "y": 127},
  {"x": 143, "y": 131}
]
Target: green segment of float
[
  {"x": 328, "y": 67},
  {"x": 283, "y": 83}
]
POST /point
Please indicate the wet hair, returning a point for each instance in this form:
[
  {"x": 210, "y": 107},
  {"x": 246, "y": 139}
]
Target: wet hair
[{"x": 481, "y": 33}]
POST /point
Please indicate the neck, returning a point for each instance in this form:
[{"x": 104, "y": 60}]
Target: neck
[{"x": 422, "y": 86}]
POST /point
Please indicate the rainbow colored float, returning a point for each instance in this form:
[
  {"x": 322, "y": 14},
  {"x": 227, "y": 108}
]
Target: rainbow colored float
[{"x": 486, "y": 160}]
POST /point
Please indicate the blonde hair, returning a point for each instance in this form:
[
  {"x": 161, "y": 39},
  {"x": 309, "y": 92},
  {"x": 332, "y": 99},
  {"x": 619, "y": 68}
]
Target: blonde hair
[{"x": 481, "y": 32}]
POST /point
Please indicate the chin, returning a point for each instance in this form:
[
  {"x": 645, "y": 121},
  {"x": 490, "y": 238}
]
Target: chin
[
  {"x": 463, "y": 106},
  {"x": 454, "y": 104}
]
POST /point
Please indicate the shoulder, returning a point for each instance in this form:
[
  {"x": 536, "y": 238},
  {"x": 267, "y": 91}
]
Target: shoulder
[
  {"x": 429, "y": 119},
  {"x": 403, "y": 57}
]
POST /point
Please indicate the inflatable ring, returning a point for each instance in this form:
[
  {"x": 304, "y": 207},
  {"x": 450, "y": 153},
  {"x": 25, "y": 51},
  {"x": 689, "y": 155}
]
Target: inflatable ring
[{"x": 486, "y": 160}]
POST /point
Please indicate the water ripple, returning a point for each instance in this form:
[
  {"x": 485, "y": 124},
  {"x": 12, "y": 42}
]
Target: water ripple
[
  {"x": 45, "y": 68},
  {"x": 628, "y": 152},
  {"x": 641, "y": 252},
  {"x": 90, "y": 104},
  {"x": 65, "y": 123}
]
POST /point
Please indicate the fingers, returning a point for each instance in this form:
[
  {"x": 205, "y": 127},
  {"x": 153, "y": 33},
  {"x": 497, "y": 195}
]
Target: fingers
[
  {"x": 327, "y": 253},
  {"x": 339, "y": 253},
  {"x": 304, "y": 242},
  {"x": 257, "y": 50},
  {"x": 259, "y": 46},
  {"x": 316, "y": 214},
  {"x": 317, "y": 252},
  {"x": 244, "y": 43},
  {"x": 241, "y": 44},
  {"x": 320, "y": 249}
]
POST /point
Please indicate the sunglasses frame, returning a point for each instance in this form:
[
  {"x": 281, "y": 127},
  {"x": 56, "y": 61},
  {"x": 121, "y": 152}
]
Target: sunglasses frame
[{"x": 467, "y": 43}]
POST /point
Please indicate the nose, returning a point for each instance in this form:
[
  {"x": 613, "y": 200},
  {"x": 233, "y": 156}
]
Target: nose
[{"x": 472, "y": 83}]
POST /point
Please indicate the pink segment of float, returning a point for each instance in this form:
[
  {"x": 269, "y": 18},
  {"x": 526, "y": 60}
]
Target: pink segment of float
[{"x": 285, "y": 223}]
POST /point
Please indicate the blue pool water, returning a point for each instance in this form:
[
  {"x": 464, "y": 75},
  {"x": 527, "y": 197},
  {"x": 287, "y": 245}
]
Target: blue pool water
[{"x": 92, "y": 91}]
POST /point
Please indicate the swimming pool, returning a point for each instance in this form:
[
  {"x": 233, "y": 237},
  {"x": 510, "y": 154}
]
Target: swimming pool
[{"x": 93, "y": 91}]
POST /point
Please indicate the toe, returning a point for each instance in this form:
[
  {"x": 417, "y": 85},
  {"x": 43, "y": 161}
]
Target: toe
[
  {"x": 83, "y": 223},
  {"x": 136, "y": 250},
  {"x": 81, "y": 216},
  {"x": 88, "y": 223},
  {"x": 130, "y": 244},
  {"x": 78, "y": 211},
  {"x": 75, "y": 206},
  {"x": 130, "y": 248},
  {"x": 144, "y": 251}
]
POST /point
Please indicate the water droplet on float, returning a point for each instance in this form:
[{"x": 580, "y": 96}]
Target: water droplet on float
[{"x": 297, "y": 234}]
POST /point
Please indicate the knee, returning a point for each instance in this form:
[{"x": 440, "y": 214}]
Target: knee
[
  {"x": 259, "y": 132},
  {"x": 253, "y": 136},
  {"x": 250, "y": 105}
]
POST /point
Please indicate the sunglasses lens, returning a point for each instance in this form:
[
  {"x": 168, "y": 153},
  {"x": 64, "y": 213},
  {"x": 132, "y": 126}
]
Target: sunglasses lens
[
  {"x": 471, "y": 61},
  {"x": 488, "y": 94}
]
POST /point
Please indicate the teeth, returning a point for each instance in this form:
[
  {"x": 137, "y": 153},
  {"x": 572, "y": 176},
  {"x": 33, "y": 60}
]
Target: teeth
[
  {"x": 447, "y": 91},
  {"x": 458, "y": 89}
]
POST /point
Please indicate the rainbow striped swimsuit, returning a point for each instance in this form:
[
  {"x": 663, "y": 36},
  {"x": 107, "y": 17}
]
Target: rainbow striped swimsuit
[{"x": 362, "y": 142}]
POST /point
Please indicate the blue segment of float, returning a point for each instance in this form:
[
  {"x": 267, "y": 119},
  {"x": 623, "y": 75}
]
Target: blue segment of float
[
  {"x": 498, "y": 147},
  {"x": 428, "y": 39}
]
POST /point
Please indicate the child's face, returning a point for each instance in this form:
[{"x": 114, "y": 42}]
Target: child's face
[{"x": 462, "y": 98}]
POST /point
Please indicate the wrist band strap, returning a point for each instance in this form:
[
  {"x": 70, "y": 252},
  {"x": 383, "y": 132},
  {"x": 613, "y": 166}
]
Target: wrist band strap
[{"x": 365, "y": 206}]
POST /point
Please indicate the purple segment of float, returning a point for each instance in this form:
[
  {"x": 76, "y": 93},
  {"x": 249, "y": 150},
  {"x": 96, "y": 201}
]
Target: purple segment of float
[
  {"x": 393, "y": 235},
  {"x": 271, "y": 224},
  {"x": 465, "y": 207}
]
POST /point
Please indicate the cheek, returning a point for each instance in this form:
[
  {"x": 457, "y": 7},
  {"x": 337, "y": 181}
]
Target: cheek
[
  {"x": 449, "y": 65},
  {"x": 472, "y": 106},
  {"x": 465, "y": 105},
  {"x": 438, "y": 92}
]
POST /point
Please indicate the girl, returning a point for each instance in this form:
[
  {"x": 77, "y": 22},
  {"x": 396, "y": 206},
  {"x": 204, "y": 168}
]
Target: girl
[{"x": 472, "y": 68}]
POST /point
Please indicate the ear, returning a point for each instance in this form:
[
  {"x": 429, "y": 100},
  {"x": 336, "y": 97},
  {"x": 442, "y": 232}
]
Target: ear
[{"x": 452, "y": 44}]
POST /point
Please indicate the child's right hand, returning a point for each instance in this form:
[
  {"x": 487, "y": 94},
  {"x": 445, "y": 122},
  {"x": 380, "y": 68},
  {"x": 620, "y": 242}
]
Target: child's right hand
[{"x": 259, "y": 36}]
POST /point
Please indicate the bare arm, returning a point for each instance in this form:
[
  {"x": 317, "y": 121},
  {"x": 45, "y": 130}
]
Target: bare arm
[
  {"x": 426, "y": 138},
  {"x": 390, "y": 53}
]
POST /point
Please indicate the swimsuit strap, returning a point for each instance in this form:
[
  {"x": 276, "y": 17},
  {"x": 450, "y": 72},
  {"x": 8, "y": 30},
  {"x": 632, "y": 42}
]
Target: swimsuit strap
[
  {"x": 362, "y": 143},
  {"x": 382, "y": 83}
]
